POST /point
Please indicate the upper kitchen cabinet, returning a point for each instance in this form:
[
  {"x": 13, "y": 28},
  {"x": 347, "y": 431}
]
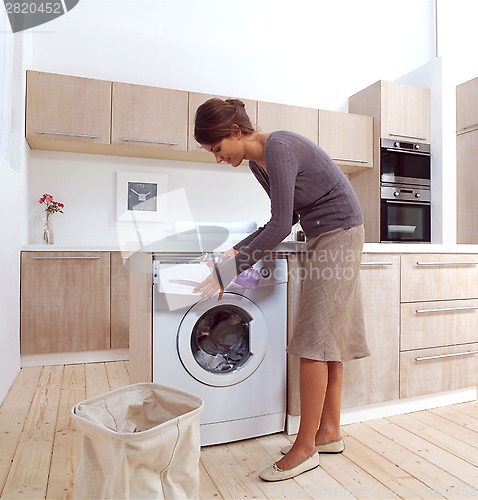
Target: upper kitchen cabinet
[
  {"x": 195, "y": 100},
  {"x": 67, "y": 113},
  {"x": 467, "y": 107},
  {"x": 401, "y": 112},
  {"x": 304, "y": 121},
  {"x": 148, "y": 121},
  {"x": 466, "y": 153},
  {"x": 347, "y": 138}
]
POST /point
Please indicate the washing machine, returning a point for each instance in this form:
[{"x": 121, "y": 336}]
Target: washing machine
[{"x": 231, "y": 353}]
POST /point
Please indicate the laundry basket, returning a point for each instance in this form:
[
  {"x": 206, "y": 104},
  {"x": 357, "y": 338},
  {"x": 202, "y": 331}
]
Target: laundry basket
[{"x": 140, "y": 441}]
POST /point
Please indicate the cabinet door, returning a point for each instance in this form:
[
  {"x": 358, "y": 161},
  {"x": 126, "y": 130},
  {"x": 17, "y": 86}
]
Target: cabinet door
[
  {"x": 466, "y": 188},
  {"x": 451, "y": 321},
  {"x": 405, "y": 112},
  {"x": 427, "y": 277},
  {"x": 347, "y": 138},
  {"x": 304, "y": 121},
  {"x": 380, "y": 277},
  {"x": 148, "y": 118},
  {"x": 119, "y": 302},
  {"x": 467, "y": 106},
  {"x": 67, "y": 113},
  {"x": 428, "y": 371},
  {"x": 65, "y": 302},
  {"x": 195, "y": 100}
]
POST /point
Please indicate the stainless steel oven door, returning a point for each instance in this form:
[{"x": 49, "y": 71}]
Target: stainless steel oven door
[
  {"x": 405, "y": 221},
  {"x": 399, "y": 164}
]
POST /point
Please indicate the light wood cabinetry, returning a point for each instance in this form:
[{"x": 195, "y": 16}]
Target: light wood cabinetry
[
  {"x": 148, "y": 118},
  {"x": 304, "y": 121},
  {"x": 67, "y": 113},
  {"x": 439, "y": 323},
  {"x": 380, "y": 277},
  {"x": 400, "y": 112},
  {"x": 467, "y": 107},
  {"x": 466, "y": 154},
  {"x": 347, "y": 138},
  {"x": 380, "y": 281},
  {"x": 466, "y": 188},
  {"x": 195, "y": 100},
  {"x": 119, "y": 310},
  {"x": 73, "y": 301},
  {"x": 405, "y": 111}
]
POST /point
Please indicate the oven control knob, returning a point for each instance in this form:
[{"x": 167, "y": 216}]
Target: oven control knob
[
  {"x": 396, "y": 193},
  {"x": 417, "y": 195}
]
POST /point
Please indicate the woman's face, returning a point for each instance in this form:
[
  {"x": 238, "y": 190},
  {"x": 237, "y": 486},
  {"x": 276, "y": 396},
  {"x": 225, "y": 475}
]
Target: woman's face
[{"x": 229, "y": 150}]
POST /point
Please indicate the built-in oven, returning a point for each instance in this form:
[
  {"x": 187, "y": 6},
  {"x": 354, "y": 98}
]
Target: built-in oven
[{"x": 405, "y": 183}]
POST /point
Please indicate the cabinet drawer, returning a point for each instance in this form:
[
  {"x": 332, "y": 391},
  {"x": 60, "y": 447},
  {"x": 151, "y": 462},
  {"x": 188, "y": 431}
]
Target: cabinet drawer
[
  {"x": 438, "y": 277},
  {"x": 427, "y": 371},
  {"x": 435, "y": 324}
]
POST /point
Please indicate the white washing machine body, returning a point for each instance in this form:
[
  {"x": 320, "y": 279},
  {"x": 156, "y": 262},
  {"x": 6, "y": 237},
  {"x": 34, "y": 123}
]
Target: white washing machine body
[{"x": 230, "y": 353}]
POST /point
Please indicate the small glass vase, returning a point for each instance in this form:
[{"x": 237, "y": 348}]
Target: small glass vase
[{"x": 48, "y": 230}]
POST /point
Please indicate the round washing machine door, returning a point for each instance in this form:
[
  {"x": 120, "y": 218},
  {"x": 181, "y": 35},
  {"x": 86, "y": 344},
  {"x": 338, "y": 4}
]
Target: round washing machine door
[{"x": 223, "y": 343}]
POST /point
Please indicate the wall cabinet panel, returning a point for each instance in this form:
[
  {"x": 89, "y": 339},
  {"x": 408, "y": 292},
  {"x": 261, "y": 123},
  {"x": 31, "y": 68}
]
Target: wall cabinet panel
[{"x": 67, "y": 113}]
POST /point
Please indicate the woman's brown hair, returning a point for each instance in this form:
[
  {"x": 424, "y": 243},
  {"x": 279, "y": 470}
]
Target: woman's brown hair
[{"x": 215, "y": 119}]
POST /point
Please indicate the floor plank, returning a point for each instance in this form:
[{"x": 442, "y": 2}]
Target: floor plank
[
  {"x": 28, "y": 475},
  {"x": 463, "y": 476},
  {"x": 428, "y": 454},
  {"x": 447, "y": 435},
  {"x": 117, "y": 373},
  {"x": 96, "y": 380},
  {"x": 432, "y": 477},
  {"x": 67, "y": 443},
  {"x": 13, "y": 414},
  {"x": 386, "y": 472}
]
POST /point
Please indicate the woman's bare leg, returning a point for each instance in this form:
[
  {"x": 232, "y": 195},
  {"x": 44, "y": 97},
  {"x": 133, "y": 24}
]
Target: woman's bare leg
[
  {"x": 313, "y": 389},
  {"x": 329, "y": 429}
]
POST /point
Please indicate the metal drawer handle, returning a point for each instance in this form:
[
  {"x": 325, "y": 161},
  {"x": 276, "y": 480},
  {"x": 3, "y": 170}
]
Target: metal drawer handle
[
  {"x": 461, "y": 263},
  {"x": 377, "y": 263},
  {"x": 408, "y": 136},
  {"x": 149, "y": 141},
  {"x": 82, "y": 136},
  {"x": 452, "y": 355},
  {"x": 446, "y": 309},
  {"x": 415, "y": 153},
  {"x": 467, "y": 128},
  {"x": 66, "y": 258},
  {"x": 350, "y": 159}
]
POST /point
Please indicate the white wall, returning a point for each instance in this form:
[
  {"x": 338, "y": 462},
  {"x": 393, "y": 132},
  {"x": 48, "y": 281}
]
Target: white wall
[
  {"x": 13, "y": 199},
  {"x": 314, "y": 53}
]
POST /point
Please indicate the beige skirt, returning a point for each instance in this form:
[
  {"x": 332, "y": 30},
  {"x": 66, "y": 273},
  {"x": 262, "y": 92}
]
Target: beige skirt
[{"x": 330, "y": 325}]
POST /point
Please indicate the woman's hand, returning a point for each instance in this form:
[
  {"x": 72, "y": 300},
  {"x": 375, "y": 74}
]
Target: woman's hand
[
  {"x": 210, "y": 285},
  {"x": 209, "y": 288}
]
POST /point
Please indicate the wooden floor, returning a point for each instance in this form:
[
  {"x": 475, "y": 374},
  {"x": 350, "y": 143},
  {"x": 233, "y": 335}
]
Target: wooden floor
[{"x": 428, "y": 454}]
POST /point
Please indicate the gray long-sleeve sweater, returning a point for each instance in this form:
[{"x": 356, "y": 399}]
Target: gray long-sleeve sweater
[{"x": 304, "y": 184}]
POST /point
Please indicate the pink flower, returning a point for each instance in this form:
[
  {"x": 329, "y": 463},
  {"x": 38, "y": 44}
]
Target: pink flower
[{"x": 51, "y": 206}]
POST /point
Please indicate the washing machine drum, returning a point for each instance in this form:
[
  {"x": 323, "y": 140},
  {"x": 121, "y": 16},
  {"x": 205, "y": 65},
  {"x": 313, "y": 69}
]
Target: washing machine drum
[{"x": 222, "y": 344}]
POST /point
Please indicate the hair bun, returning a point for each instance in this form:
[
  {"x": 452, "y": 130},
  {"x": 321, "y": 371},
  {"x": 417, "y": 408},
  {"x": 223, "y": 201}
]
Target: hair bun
[{"x": 235, "y": 102}]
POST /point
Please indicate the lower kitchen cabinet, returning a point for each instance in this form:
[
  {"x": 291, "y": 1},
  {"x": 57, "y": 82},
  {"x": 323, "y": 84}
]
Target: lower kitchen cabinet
[
  {"x": 439, "y": 323},
  {"x": 428, "y": 371},
  {"x": 376, "y": 378},
  {"x": 66, "y": 302}
]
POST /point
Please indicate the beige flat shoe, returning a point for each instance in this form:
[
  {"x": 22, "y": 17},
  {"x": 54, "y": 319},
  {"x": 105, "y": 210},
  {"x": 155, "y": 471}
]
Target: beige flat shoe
[
  {"x": 332, "y": 447},
  {"x": 273, "y": 473}
]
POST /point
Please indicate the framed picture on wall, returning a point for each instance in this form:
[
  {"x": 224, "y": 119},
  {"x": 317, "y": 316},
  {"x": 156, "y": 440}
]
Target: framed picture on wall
[{"x": 141, "y": 196}]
